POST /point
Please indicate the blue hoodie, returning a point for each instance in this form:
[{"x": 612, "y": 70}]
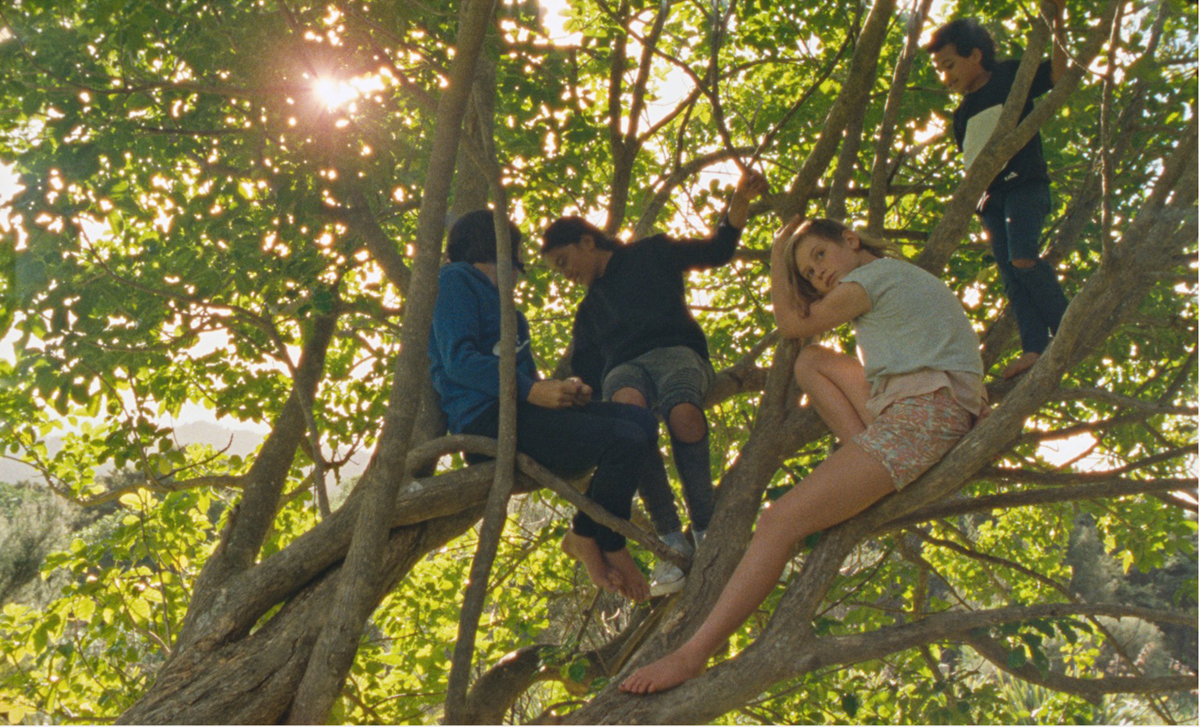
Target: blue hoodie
[{"x": 464, "y": 345}]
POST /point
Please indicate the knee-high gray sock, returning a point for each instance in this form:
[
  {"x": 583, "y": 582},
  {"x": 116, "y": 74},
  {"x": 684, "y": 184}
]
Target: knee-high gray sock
[{"x": 691, "y": 460}]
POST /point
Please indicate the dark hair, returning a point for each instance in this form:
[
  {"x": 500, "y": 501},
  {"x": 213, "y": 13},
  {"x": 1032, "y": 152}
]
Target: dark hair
[
  {"x": 473, "y": 239},
  {"x": 966, "y": 34},
  {"x": 570, "y": 230},
  {"x": 825, "y": 229}
]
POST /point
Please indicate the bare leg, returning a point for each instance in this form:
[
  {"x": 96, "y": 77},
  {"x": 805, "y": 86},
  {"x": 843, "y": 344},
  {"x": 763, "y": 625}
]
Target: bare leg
[
  {"x": 598, "y": 568},
  {"x": 634, "y": 585},
  {"x": 842, "y": 486},
  {"x": 837, "y": 387}
]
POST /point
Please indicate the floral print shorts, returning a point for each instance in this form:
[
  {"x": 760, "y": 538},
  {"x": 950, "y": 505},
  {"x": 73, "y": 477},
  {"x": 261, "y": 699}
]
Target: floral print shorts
[{"x": 913, "y": 434}]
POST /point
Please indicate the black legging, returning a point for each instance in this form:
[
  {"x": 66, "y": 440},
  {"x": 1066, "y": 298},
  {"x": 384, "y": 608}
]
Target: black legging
[{"x": 619, "y": 440}]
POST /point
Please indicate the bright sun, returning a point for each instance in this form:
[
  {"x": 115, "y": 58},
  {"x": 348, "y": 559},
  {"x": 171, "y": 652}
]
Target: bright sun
[{"x": 334, "y": 93}]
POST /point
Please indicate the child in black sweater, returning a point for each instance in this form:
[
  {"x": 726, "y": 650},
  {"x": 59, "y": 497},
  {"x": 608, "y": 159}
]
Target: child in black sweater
[{"x": 636, "y": 341}]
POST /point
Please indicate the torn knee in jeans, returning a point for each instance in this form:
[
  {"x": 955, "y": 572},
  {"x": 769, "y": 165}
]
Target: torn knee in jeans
[
  {"x": 1024, "y": 263},
  {"x": 629, "y": 395},
  {"x": 687, "y": 423}
]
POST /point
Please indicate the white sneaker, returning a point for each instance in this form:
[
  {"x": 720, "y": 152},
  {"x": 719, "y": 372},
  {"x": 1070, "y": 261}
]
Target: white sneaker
[{"x": 668, "y": 577}]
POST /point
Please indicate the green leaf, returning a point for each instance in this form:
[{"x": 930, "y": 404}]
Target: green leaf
[
  {"x": 1016, "y": 658},
  {"x": 850, "y": 704}
]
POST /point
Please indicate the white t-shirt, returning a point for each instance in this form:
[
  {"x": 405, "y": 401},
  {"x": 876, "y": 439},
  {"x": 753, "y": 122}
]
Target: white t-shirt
[{"x": 916, "y": 323}]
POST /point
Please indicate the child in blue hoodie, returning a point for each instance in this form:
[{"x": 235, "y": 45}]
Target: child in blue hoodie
[{"x": 558, "y": 424}]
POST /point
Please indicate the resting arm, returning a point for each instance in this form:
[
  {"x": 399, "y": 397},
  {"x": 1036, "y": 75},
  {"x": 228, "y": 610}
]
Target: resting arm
[
  {"x": 456, "y": 325},
  {"x": 843, "y": 304}
]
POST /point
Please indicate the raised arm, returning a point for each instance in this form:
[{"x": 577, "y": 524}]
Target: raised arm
[
  {"x": 788, "y": 307},
  {"x": 718, "y": 249},
  {"x": 751, "y": 185}
]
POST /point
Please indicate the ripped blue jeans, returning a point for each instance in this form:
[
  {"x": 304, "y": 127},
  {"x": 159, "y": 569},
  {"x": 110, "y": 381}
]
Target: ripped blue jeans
[{"x": 1013, "y": 219}]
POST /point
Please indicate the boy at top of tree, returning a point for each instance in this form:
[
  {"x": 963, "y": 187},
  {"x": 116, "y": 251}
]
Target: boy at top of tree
[
  {"x": 636, "y": 341},
  {"x": 1015, "y": 205}
]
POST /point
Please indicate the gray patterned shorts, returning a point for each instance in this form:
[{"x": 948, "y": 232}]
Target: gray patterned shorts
[{"x": 666, "y": 377}]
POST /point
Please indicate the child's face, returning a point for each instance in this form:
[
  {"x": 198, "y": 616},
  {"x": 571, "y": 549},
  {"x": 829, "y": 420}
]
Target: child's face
[
  {"x": 577, "y": 262},
  {"x": 960, "y": 74},
  {"x": 823, "y": 263}
]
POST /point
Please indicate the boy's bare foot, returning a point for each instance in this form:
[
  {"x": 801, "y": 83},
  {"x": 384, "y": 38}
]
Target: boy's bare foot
[
  {"x": 1023, "y": 363},
  {"x": 670, "y": 671},
  {"x": 585, "y": 550},
  {"x": 635, "y": 586}
]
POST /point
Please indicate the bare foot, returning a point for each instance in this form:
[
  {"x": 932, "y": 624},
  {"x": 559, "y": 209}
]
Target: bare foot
[
  {"x": 635, "y": 587},
  {"x": 1023, "y": 363},
  {"x": 668, "y": 672},
  {"x": 585, "y": 550}
]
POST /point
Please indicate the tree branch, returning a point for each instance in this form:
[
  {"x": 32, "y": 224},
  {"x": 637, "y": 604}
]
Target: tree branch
[
  {"x": 1091, "y": 689},
  {"x": 1117, "y": 487},
  {"x": 334, "y": 650},
  {"x": 877, "y": 201}
]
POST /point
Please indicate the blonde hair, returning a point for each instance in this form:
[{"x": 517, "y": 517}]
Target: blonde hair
[{"x": 825, "y": 229}]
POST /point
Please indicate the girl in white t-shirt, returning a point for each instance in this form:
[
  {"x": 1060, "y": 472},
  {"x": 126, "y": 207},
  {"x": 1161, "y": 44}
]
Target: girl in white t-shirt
[{"x": 917, "y": 391}]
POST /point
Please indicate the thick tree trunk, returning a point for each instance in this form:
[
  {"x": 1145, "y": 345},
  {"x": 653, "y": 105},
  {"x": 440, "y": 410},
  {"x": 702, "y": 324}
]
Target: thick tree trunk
[{"x": 253, "y": 680}]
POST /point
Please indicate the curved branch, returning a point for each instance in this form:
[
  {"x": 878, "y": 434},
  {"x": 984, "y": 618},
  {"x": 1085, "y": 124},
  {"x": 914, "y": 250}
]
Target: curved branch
[
  {"x": 1092, "y": 689},
  {"x": 1117, "y": 487},
  {"x": 877, "y": 201}
]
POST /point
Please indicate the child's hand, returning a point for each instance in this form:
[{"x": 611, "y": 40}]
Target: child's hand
[
  {"x": 555, "y": 394},
  {"x": 786, "y": 231},
  {"x": 583, "y": 392},
  {"x": 751, "y": 185}
]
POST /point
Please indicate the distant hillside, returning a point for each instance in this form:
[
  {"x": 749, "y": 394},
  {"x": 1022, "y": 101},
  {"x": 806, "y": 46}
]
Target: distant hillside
[{"x": 241, "y": 442}]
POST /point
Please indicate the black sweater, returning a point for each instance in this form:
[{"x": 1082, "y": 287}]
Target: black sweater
[
  {"x": 639, "y": 303},
  {"x": 976, "y": 117}
]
